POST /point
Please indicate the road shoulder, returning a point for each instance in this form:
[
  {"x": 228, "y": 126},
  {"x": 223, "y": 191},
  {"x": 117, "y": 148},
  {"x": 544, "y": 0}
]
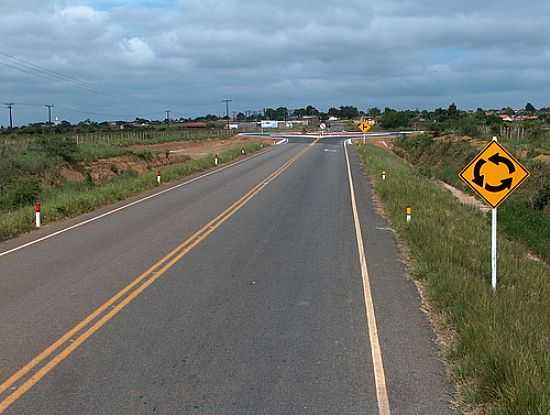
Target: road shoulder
[{"x": 416, "y": 377}]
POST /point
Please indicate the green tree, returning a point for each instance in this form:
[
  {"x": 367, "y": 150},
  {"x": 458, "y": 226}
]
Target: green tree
[
  {"x": 374, "y": 112},
  {"x": 396, "y": 119},
  {"x": 453, "y": 111},
  {"x": 530, "y": 108}
]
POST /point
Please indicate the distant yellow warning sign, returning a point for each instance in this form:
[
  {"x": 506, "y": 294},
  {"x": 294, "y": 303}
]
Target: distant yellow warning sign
[
  {"x": 365, "y": 126},
  {"x": 494, "y": 174}
]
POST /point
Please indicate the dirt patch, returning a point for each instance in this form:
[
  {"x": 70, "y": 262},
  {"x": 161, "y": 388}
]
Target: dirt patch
[
  {"x": 544, "y": 158},
  {"x": 454, "y": 138},
  {"x": 386, "y": 144},
  {"x": 104, "y": 169},
  {"x": 464, "y": 198},
  {"x": 201, "y": 148},
  {"x": 72, "y": 175},
  {"x": 163, "y": 154},
  {"x": 472, "y": 201}
]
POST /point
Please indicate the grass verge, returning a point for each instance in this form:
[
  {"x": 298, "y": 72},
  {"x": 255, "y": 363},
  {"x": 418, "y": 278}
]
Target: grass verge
[
  {"x": 500, "y": 354},
  {"x": 524, "y": 217},
  {"x": 75, "y": 199}
]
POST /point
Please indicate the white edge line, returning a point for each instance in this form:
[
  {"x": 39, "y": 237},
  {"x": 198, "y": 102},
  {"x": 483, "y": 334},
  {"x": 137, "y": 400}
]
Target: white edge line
[
  {"x": 135, "y": 202},
  {"x": 376, "y": 350}
]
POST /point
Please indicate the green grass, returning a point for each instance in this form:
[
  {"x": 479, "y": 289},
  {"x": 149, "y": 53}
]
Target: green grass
[
  {"x": 93, "y": 152},
  {"x": 501, "y": 351},
  {"x": 518, "y": 218},
  {"x": 21, "y": 141},
  {"x": 76, "y": 198}
]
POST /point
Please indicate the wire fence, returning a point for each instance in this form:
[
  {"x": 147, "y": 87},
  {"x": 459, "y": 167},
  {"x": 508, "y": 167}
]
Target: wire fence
[{"x": 119, "y": 138}]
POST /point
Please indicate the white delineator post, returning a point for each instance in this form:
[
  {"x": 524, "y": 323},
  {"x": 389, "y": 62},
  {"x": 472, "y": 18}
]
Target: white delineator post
[
  {"x": 37, "y": 218},
  {"x": 216, "y": 160},
  {"x": 158, "y": 177},
  {"x": 384, "y": 176},
  {"x": 364, "y": 138},
  {"x": 409, "y": 214}
]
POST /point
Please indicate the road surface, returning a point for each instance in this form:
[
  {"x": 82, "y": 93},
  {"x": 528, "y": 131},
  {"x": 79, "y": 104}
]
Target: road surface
[{"x": 242, "y": 292}]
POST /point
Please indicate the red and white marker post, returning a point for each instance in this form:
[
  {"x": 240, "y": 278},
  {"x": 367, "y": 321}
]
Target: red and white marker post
[
  {"x": 158, "y": 177},
  {"x": 37, "y": 218}
]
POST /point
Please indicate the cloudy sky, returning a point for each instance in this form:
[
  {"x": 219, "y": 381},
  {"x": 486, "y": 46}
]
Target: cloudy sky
[{"x": 115, "y": 59}]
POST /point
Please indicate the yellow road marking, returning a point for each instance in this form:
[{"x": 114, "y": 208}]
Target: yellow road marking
[
  {"x": 131, "y": 204},
  {"x": 141, "y": 282},
  {"x": 376, "y": 350}
]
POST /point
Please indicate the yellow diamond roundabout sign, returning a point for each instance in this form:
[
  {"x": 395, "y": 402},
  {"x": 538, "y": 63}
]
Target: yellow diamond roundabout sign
[
  {"x": 494, "y": 174},
  {"x": 365, "y": 127}
]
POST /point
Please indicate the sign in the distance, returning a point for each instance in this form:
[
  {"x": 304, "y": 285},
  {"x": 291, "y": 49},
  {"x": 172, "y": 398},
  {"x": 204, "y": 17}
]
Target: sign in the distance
[
  {"x": 365, "y": 127},
  {"x": 494, "y": 174},
  {"x": 323, "y": 126}
]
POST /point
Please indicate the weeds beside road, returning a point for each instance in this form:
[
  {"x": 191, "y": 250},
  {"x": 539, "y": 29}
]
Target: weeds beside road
[
  {"x": 74, "y": 198},
  {"x": 525, "y": 216},
  {"x": 500, "y": 353}
]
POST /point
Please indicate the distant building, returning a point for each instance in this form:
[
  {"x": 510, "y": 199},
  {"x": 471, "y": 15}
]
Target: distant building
[
  {"x": 194, "y": 124},
  {"x": 512, "y": 118},
  {"x": 505, "y": 117},
  {"x": 269, "y": 124}
]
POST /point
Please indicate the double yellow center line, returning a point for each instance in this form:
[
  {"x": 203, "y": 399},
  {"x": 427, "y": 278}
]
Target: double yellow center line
[{"x": 25, "y": 378}]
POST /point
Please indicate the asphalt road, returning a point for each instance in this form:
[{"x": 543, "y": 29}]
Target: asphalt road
[{"x": 261, "y": 312}]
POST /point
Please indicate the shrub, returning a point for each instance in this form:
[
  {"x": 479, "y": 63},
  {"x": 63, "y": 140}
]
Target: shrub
[
  {"x": 59, "y": 148},
  {"x": 542, "y": 198},
  {"x": 23, "y": 191}
]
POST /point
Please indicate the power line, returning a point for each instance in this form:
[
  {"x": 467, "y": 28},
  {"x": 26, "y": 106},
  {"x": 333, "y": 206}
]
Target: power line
[
  {"x": 87, "y": 112},
  {"x": 42, "y": 69},
  {"x": 36, "y": 70},
  {"x": 227, "y": 101},
  {"x": 49, "y": 107}
]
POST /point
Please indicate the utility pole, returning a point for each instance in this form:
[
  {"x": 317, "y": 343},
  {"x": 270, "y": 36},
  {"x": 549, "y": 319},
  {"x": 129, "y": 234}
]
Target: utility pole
[
  {"x": 227, "y": 101},
  {"x": 10, "y": 106},
  {"x": 49, "y": 107},
  {"x": 168, "y": 116}
]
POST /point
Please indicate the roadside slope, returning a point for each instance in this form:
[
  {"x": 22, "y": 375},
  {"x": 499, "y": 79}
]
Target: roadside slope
[{"x": 499, "y": 356}]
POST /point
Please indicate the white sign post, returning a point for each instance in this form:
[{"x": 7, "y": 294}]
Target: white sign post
[{"x": 494, "y": 249}]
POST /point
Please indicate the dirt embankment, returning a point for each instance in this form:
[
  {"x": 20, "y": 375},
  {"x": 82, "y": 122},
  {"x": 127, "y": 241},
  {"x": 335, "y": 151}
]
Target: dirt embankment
[
  {"x": 104, "y": 169},
  {"x": 201, "y": 148},
  {"x": 155, "y": 156}
]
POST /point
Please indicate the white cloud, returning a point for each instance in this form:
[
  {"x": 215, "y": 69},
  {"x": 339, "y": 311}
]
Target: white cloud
[
  {"x": 82, "y": 14},
  {"x": 419, "y": 53},
  {"x": 136, "y": 51}
]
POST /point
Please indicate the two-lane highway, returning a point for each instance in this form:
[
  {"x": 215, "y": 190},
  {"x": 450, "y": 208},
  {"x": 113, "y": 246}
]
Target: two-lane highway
[{"x": 240, "y": 293}]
